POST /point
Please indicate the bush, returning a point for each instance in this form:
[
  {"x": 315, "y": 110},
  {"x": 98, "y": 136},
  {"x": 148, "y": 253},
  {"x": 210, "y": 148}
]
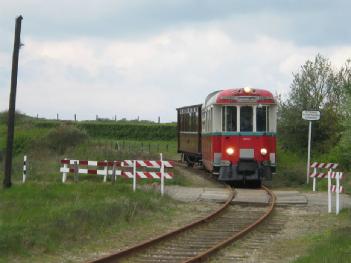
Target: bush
[{"x": 65, "y": 136}]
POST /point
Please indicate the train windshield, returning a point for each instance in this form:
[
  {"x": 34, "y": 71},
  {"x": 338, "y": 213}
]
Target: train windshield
[
  {"x": 229, "y": 118},
  {"x": 262, "y": 118},
  {"x": 246, "y": 119}
]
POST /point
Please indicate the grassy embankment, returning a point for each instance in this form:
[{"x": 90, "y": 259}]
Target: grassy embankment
[
  {"x": 334, "y": 243},
  {"x": 44, "y": 217}
]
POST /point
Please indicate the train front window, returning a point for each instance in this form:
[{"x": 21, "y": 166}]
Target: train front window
[
  {"x": 262, "y": 119},
  {"x": 246, "y": 119},
  {"x": 229, "y": 118}
]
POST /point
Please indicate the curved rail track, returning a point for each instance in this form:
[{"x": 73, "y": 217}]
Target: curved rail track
[{"x": 197, "y": 241}]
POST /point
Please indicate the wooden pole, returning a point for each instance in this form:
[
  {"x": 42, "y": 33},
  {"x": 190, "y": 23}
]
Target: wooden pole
[{"x": 12, "y": 105}]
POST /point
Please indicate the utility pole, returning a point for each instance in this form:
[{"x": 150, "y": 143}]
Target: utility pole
[{"x": 12, "y": 105}]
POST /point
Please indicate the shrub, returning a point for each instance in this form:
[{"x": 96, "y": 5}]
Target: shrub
[{"x": 65, "y": 136}]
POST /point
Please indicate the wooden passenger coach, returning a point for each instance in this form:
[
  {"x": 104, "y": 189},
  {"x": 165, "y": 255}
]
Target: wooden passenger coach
[
  {"x": 233, "y": 134},
  {"x": 189, "y": 132}
]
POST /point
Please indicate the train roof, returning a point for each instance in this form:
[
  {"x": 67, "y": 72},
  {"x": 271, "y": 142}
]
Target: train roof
[{"x": 240, "y": 96}]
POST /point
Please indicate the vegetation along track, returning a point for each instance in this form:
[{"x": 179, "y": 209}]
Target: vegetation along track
[{"x": 196, "y": 241}]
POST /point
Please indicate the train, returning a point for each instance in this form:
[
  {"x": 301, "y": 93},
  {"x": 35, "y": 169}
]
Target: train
[{"x": 232, "y": 134}]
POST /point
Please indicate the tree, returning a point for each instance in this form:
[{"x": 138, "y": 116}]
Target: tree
[
  {"x": 315, "y": 87},
  {"x": 344, "y": 146}
]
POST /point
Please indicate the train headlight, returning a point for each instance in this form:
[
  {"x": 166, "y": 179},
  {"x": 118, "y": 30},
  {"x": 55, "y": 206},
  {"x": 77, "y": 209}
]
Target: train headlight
[
  {"x": 230, "y": 151},
  {"x": 247, "y": 90},
  {"x": 263, "y": 151}
]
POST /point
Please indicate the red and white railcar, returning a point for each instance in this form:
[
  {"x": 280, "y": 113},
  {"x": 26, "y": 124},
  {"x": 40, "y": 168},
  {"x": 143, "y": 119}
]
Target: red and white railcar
[{"x": 233, "y": 134}]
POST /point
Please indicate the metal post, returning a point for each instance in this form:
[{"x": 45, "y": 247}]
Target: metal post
[
  {"x": 162, "y": 175},
  {"x": 24, "y": 169},
  {"x": 134, "y": 175},
  {"x": 105, "y": 171},
  {"x": 337, "y": 193},
  {"x": 57, "y": 116},
  {"x": 12, "y": 105},
  {"x": 329, "y": 191},
  {"x": 114, "y": 179},
  {"x": 309, "y": 151},
  {"x": 75, "y": 117}
]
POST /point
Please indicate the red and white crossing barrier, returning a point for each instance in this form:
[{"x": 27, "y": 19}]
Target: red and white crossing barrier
[
  {"x": 334, "y": 189},
  {"x": 325, "y": 175},
  {"x": 124, "y": 163},
  {"x": 324, "y": 165},
  {"x": 134, "y": 174},
  {"x": 316, "y": 174},
  {"x": 329, "y": 175}
]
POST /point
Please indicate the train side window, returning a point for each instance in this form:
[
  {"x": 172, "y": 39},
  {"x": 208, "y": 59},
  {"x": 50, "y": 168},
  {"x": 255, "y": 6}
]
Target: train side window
[
  {"x": 246, "y": 113},
  {"x": 262, "y": 119}
]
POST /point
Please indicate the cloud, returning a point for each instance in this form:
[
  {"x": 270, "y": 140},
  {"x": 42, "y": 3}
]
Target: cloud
[
  {"x": 151, "y": 78},
  {"x": 305, "y": 23},
  {"x": 146, "y": 58}
]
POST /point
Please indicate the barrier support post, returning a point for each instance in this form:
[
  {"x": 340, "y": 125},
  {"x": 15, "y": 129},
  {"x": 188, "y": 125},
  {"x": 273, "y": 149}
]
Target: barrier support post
[
  {"x": 314, "y": 180},
  {"x": 134, "y": 175},
  {"x": 24, "y": 169},
  {"x": 162, "y": 175},
  {"x": 329, "y": 191},
  {"x": 64, "y": 174},
  {"x": 114, "y": 172},
  {"x": 105, "y": 172},
  {"x": 337, "y": 205}
]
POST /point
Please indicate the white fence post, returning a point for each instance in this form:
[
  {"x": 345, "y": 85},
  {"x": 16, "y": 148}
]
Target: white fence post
[
  {"x": 337, "y": 193},
  {"x": 329, "y": 191},
  {"x": 105, "y": 172},
  {"x": 64, "y": 174},
  {"x": 314, "y": 179},
  {"x": 24, "y": 169},
  {"x": 162, "y": 175},
  {"x": 134, "y": 175},
  {"x": 114, "y": 179}
]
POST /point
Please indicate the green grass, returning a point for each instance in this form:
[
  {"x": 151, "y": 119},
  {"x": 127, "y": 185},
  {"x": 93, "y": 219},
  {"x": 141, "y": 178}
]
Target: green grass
[
  {"x": 332, "y": 246},
  {"x": 44, "y": 218}
]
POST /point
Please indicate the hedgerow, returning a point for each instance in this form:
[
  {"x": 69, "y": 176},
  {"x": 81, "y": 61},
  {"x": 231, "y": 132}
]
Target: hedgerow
[{"x": 129, "y": 131}]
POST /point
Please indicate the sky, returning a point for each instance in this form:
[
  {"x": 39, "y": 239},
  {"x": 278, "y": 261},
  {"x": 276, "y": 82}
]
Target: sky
[{"x": 143, "y": 58}]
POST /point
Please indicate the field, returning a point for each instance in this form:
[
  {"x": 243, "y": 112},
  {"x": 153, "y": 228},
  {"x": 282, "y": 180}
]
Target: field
[
  {"x": 49, "y": 218},
  {"x": 44, "y": 217}
]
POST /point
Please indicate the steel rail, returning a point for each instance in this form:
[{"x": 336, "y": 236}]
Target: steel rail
[
  {"x": 128, "y": 251},
  {"x": 203, "y": 256}
]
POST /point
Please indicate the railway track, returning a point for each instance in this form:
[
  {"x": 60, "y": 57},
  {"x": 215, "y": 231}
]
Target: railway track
[{"x": 197, "y": 241}]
